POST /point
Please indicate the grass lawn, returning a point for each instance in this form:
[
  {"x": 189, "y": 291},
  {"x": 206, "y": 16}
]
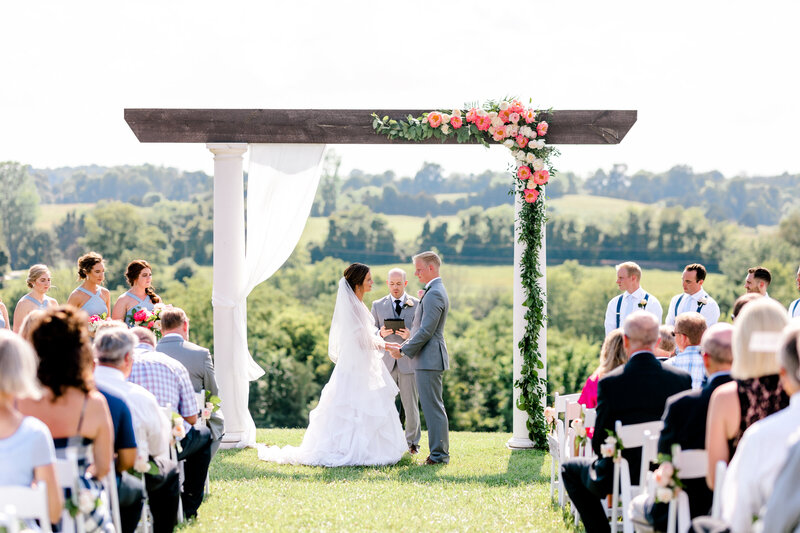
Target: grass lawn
[
  {"x": 591, "y": 208},
  {"x": 486, "y": 487},
  {"x": 52, "y": 214}
]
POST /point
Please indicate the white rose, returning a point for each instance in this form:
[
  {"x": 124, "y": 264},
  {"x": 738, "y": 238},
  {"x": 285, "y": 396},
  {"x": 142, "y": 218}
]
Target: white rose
[
  {"x": 86, "y": 502},
  {"x": 607, "y": 450},
  {"x": 141, "y": 465},
  {"x": 445, "y": 129},
  {"x": 456, "y": 112},
  {"x": 492, "y": 115},
  {"x": 530, "y": 158},
  {"x": 497, "y": 121},
  {"x": 524, "y": 130},
  {"x": 209, "y": 405},
  {"x": 482, "y": 113},
  {"x": 206, "y": 413},
  {"x": 445, "y": 118},
  {"x": 508, "y": 143},
  {"x": 538, "y": 164},
  {"x": 577, "y": 423},
  {"x": 663, "y": 494},
  {"x": 514, "y": 130},
  {"x": 540, "y": 144},
  {"x": 179, "y": 432},
  {"x": 521, "y": 156},
  {"x": 503, "y": 106}
]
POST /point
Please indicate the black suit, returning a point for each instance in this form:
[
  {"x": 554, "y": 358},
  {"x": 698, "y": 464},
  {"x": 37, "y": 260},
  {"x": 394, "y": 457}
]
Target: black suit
[
  {"x": 685, "y": 424},
  {"x": 633, "y": 393}
]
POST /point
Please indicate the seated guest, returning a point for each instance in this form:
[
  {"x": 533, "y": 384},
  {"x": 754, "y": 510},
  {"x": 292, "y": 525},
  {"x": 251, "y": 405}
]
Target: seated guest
[
  {"x": 782, "y": 512},
  {"x": 170, "y": 383},
  {"x": 689, "y": 329},
  {"x": 666, "y": 343},
  {"x": 28, "y": 324},
  {"x": 633, "y": 393},
  {"x": 146, "y": 340},
  {"x": 27, "y": 455},
  {"x": 685, "y": 424},
  {"x": 755, "y": 392},
  {"x": 38, "y": 283},
  {"x": 741, "y": 301},
  {"x": 764, "y": 447},
  {"x": 114, "y": 350},
  {"x": 612, "y": 355},
  {"x": 197, "y": 360},
  {"x": 74, "y": 411}
]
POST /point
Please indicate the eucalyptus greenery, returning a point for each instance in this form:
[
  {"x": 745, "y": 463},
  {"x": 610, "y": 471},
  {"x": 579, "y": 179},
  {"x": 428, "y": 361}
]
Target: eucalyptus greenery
[{"x": 520, "y": 129}]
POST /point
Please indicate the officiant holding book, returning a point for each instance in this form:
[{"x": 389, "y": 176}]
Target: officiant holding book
[{"x": 394, "y": 315}]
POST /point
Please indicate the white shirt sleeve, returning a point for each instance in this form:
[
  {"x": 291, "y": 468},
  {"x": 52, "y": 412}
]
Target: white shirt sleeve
[
  {"x": 654, "y": 306},
  {"x": 611, "y": 315},
  {"x": 670, "y": 321},
  {"x": 711, "y": 312}
]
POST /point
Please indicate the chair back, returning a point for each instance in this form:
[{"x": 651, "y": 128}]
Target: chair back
[
  {"x": 23, "y": 503},
  {"x": 560, "y": 401},
  {"x": 589, "y": 417},
  {"x": 110, "y": 483},
  {"x": 719, "y": 479},
  {"x": 67, "y": 474},
  {"x": 690, "y": 464},
  {"x": 201, "y": 404}
]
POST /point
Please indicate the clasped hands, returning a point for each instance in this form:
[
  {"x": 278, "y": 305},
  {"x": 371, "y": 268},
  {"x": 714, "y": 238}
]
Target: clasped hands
[{"x": 394, "y": 349}]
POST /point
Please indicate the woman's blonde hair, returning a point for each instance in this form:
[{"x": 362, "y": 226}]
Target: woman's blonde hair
[
  {"x": 18, "y": 364},
  {"x": 763, "y": 315},
  {"x": 34, "y": 273},
  {"x": 612, "y": 354}
]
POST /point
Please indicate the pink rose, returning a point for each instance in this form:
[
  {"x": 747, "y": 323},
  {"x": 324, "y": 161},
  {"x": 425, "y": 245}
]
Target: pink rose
[
  {"x": 663, "y": 475},
  {"x": 94, "y": 318},
  {"x": 456, "y": 122},
  {"x": 529, "y": 115},
  {"x": 516, "y": 107},
  {"x": 500, "y": 133},
  {"x": 531, "y": 195},
  {"x": 522, "y": 141},
  {"x": 434, "y": 119},
  {"x": 541, "y": 129},
  {"x": 140, "y": 315},
  {"x": 483, "y": 123},
  {"x": 514, "y": 117},
  {"x": 472, "y": 114},
  {"x": 524, "y": 172},
  {"x": 540, "y": 177},
  {"x": 420, "y": 293},
  {"x": 504, "y": 115}
]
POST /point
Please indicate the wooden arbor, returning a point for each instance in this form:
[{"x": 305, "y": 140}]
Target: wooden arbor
[{"x": 227, "y": 132}]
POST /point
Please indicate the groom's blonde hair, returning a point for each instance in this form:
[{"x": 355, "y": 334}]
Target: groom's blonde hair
[{"x": 429, "y": 258}]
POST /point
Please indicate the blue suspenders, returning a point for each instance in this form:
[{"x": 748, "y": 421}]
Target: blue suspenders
[
  {"x": 699, "y": 306},
  {"x": 619, "y": 305},
  {"x": 794, "y": 307}
]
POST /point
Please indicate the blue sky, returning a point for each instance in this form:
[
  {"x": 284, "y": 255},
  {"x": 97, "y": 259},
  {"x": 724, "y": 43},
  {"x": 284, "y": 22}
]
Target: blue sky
[{"x": 715, "y": 83}]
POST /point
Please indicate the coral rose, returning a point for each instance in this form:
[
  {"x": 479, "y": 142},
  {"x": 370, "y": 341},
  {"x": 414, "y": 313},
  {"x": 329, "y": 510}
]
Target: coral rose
[
  {"x": 541, "y": 129},
  {"x": 529, "y": 115},
  {"x": 456, "y": 122},
  {"x": 472, "y": 114},
  {"x": 434, "y": 119},
  {"x": 516, "y": 107},
  {"x": 522, "y": 141},
  {"x": 499, "y": 133},
  {"x": 531, "y": 195},
  {"x": 524, "y": 172},
  {"x": 540, "y": 177},
  {"x": 483, "y": 123},
  {"x": 504, "y": 115},
  {"x": 514, "y": 117}
]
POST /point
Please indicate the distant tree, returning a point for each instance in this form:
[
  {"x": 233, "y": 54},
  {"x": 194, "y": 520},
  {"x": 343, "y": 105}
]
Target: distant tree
[{"x": 19, "y": 206}]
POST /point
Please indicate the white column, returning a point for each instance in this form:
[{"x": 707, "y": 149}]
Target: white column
[
  {"x": 520, "y": 439},
  {"x": 229, "y": 268}
]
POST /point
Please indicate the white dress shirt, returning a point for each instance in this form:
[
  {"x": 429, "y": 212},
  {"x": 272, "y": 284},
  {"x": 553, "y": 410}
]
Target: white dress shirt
[
  {"x": 630, "y": 303},
  {"x": 150, "y": 425},
  {"x": 756, "y": 464},
  {"x": 690, "y": 302},
  {"x": 794, "y": 309}
]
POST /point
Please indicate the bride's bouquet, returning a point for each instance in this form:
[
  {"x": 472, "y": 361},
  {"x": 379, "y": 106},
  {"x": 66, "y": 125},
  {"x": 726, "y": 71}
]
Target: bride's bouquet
[{"x": 147, "y": 319}]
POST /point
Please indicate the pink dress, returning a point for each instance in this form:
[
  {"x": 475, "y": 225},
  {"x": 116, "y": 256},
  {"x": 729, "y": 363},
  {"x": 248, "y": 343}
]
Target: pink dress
[{"x": 588, "y": 397}]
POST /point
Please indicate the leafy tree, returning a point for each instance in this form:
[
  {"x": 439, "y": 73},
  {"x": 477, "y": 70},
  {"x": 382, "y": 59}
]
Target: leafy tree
[{"x": 19, "y": 205}]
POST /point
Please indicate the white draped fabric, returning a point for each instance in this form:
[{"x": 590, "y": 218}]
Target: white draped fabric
[{"x": 282, "y": 182}]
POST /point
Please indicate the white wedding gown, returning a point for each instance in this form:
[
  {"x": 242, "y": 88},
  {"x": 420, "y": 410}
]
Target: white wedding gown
[{"x": 356, "y": 421}]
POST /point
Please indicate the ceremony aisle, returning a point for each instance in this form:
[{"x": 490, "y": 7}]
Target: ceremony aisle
[{"x": 485, "y": 488}]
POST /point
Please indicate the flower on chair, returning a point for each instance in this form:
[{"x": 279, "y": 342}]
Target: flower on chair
[
  {"x": 612, "y": 446},
  {"x": 668, "y": 484}
]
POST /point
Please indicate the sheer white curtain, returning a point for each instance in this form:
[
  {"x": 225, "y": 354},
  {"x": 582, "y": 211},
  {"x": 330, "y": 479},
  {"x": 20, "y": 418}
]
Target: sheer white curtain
[{"x": 282, "y": 182}]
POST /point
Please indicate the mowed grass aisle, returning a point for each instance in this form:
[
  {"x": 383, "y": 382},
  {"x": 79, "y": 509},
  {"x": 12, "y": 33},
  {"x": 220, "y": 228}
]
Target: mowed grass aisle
[{"x": 486, "y": 487}]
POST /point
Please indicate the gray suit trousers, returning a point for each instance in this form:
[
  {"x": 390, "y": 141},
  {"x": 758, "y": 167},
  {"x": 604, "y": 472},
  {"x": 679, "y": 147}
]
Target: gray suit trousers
[
  {"x": 407, "y": 383},
  {"x": 429, "y": 385}
]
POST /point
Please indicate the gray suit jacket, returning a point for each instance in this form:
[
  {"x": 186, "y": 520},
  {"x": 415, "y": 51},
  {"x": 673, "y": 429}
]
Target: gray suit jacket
[
  {"x": 426, "y": 347},
  {"x": 197, "y": 361},
  {"x": 383, "y": 309}
]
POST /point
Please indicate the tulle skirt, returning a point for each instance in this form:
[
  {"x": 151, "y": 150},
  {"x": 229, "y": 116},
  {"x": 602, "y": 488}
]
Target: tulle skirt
[{"x": 355, "y": 423}]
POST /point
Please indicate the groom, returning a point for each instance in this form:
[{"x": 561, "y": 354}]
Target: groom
[{"x": 428, "y": 352}]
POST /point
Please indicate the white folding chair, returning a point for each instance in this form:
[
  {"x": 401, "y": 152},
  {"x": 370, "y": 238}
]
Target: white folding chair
[
  {"x": 201, "y": 404},
  {"x": 719, "y": 479},
  {"x": 173, "y": 455},
  {"x": 690, "y": 464},
  {"x": 23, "y": 503},
  {"x": 631, "y": 436},
  {"x": 110, "y": 482},
  {"x": 67, "y": 474},
  {"x": 554, "y": 440}
]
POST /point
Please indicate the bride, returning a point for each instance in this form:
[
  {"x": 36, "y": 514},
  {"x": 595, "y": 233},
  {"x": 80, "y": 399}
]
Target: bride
[{"x": 356, "y": 421}]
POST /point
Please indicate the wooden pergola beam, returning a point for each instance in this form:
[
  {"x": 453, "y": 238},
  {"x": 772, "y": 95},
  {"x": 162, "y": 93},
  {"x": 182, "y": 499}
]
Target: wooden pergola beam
[{"x": 340, "y": 126}]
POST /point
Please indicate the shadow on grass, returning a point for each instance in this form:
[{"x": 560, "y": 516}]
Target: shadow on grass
[{"x": 523, "y": 467}]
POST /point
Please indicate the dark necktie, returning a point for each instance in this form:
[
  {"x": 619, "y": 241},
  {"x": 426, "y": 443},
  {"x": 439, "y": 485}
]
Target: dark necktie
[{"x": 397, "y": 307}]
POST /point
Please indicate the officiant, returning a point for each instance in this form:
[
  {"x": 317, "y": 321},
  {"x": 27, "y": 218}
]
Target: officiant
[{"x": 394, "y": 315}]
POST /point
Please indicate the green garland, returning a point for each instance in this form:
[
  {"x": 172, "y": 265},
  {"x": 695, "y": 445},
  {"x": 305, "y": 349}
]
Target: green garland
[{"x": 519, "y": 128}]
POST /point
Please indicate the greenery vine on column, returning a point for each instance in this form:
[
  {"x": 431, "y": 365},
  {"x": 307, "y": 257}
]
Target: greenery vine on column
[{"x": 521, "y": 130}]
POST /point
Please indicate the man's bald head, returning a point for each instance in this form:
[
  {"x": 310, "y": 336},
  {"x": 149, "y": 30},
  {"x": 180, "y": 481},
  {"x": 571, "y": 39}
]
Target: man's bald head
[
  {"x": 716, "y": 347},
  {"x": 641, "y": 332}
]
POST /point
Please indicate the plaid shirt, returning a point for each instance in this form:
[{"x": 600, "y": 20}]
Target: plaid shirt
[
  {"x": 690, "y": 360},
  {"x": 167, "y": 379}
]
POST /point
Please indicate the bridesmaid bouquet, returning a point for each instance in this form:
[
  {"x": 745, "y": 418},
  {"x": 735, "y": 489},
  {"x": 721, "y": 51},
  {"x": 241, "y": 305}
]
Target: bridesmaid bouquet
[
  {"x": 95, "y": 321},
  {"x": 147, "y": 319}
]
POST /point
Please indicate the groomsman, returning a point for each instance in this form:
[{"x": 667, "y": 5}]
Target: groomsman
[
  {"x": 398, "y": 304},
  {"x": 693, "y": 297},
  {"x": 757, "y": 280},
  {"x": 794, "y": 307},
  {"x": 633, "y": 297}
]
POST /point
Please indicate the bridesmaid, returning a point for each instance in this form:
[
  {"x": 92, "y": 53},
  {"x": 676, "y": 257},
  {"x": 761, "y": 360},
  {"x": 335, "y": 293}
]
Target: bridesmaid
[
  {"x": 141, "y": 295},
  {"x": 90, "y": 296},
  {"x": 5, "y": 323},
  {"x": 39, "y": 283}
]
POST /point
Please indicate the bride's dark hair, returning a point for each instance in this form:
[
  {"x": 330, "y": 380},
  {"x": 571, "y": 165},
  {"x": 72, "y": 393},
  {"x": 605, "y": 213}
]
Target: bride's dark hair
[{"x": 355, "y": 274}]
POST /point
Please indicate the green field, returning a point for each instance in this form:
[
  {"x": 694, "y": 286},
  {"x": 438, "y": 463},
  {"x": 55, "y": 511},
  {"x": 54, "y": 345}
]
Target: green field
[
  {"x": 486, "y": 487},
  {"x": 52, "y": 214},
  {"x": 406, "y": 228},
  {"x": 591, "y": 208}
]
